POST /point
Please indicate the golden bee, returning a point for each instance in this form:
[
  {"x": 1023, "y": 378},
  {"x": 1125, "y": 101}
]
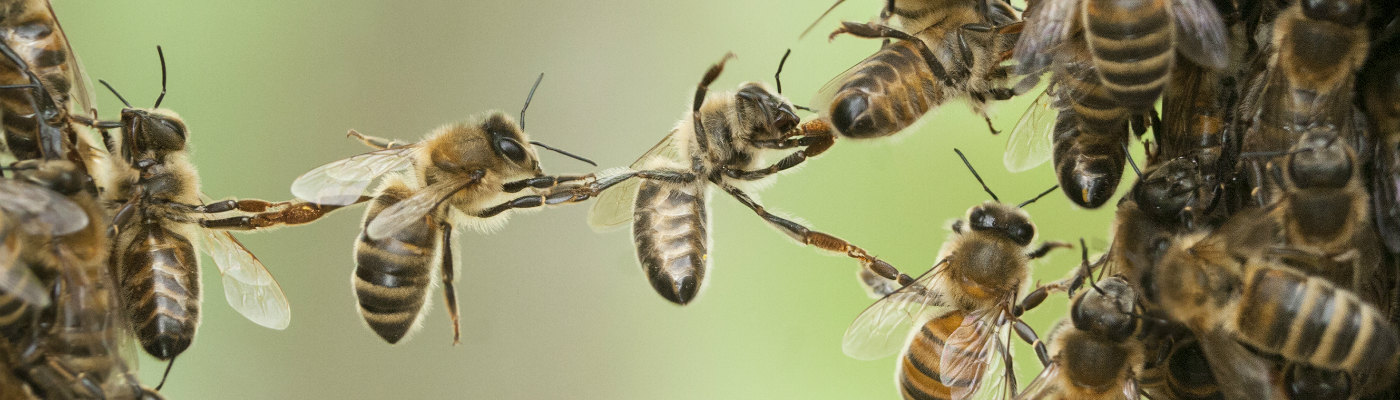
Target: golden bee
[
  {"x": 952, "y": 321},
  {"x": 471, "y": 173},
  {"x": 720, "y": 142}
]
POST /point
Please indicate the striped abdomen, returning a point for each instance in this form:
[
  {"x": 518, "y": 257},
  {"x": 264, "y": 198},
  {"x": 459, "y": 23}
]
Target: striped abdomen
[
  {"x": 1131, "y": 44},
  {"x": 669, "y": 229},
  {"x": 33, "y": 33},
  {"x": 885, "y": 93},
  {"x": 1307, "y": 319},
  {"x": 17, "y": 315},
  {"x": 159, "y": 280},
  {"x": 1089, "y": 158},
  {"x": 393, "y": 274},
  {"x": 919, "y": 375}
]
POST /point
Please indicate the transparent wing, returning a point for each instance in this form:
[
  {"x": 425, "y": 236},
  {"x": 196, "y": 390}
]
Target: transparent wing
[
  {"x": 1200, "y": 33},
  {"x": 343, "y": 182},
  {"x": 973, "y": 363},
  {"x": 613, "y": 207},
  {"x": 822, "y": 100},
  {"x": 1030, "y": 143},
  {"x": 882, "y": 328},
  {"x": 1130, "y": 390},
  {"x": 1048, "y": 24},
  {"x": 1047, "y": 385},
  {"x": 15, "y": 279},
  {"x": 40, "y": 211},
  {"x": 248, "y": 287},
  {"x": 404, "y": 213}
]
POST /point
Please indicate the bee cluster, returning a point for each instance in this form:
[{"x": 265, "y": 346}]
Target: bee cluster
[{"x": 1257, "y": 255}]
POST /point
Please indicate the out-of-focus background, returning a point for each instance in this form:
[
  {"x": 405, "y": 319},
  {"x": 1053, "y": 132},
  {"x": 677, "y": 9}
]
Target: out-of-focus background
[{"x": 549, "y": 308}]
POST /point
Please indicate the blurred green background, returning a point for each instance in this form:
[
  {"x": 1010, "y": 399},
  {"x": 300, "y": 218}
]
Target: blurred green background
[{"x": 549, "y": 308}]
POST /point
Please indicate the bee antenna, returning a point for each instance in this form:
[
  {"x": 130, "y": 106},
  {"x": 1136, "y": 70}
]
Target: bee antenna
[
  {"x": 527, "y": 103},
  {"x": 777, "y": 76},
  {"x": 114, "y": 91},
  {"x": 571, "y": 155},
  {"x": 161, "y": 53},
  {"x": 1037, "y": 197},
  {"x": 166, "y": 374},
  {"x": 819, "y": 19},
  {"x": 1131, "y": 162},
  {"x": 1084, "y": 259},
  {"x": 975, "y": 175},
  {"x": 807, "y": 109}
]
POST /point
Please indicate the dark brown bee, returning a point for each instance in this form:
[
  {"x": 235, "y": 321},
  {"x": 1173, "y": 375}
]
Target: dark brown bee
[
  {"x": 943, "y": 50},
  {"x": 476, "y": 169},
  {"x": 1184, "y": 374},
  {"x": 43, "y": 63},
  {"x": 1096, "y": 355},
  {"x": 721, "y": 142}
]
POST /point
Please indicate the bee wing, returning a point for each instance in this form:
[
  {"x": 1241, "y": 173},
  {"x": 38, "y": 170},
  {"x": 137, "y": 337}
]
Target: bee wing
[
  {"x": 1047, "y": 385},
  {"x": 1200, "y": 33},
  {"x": 343, "y": 182},
  {"x": 40, "y": 211},
  {"x": 248, "y": 286},
  {"x": 972, "y": 363},
  {"x": 404, "y": 213},
  {"x": 1130, "y": 390},
  {"x": 1241, "y": 373},
  {"x": 613, "y": 207},
  {"x": 884, "y": 327},
  {"x": 15, "y": 279},
  {"x": 1030, "y": 142},
  {"x": 1047, "y": 26}
]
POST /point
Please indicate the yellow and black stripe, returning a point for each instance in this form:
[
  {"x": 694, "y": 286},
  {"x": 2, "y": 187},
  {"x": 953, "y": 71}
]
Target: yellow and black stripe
[
  {"x": 160, "y": 286},
  {"x": 393, "y": 274},
  {"x": 669, "y": 228}
]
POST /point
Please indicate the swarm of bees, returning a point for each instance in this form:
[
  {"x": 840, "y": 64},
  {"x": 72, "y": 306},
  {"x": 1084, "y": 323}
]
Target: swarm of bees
[{"x": 1256, "y": 256}]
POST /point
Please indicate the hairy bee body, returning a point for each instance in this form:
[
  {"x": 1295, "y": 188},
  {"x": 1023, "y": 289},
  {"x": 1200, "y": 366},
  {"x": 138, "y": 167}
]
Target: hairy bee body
[
  {"x": 672, "y": 242},
  {"x": 393, "y": 274},
  {"x": 918, "y": 373},
  {"x": 30, "y": 29},
  {"x": 1131, "y": 42}
]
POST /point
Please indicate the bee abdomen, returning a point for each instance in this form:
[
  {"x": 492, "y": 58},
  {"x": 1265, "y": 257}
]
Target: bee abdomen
[
  {"x": 16, "y": 315},
  {"x": 918, "y": 374},
  {"x": 1088, "y": 162},
  {"x": 1131, "y": 43},
  {"x": 885, "y": 93},
  {"x": 1308, "y": 319},
  {"x": 392, "y": 275},
  {"x": 669, "y": 228},
  {"x": 160, "y": 282}
]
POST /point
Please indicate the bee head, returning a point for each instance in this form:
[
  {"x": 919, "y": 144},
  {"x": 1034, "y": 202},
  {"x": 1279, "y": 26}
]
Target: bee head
[
  {"x": 509, "y": 144},
  {"x": 765, "y": 113},
  {"x": 1167, "y": 189},
  {"x": 1325, "y": 162},
  {"x": 1002, "y": 220},
  {"x": 60, "y": 176},
  {"x": 154, "y": 130},
  {"x": 1106, "y": 309}
]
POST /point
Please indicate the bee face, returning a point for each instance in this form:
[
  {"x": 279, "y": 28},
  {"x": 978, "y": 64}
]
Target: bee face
[
  {"x": 1105, "y": 309},
  {"x": 996, "y": 218},
  {"x": 767, "y": 115},
  {"x": 509, "y": 144},
  {"x": 157, "y": 131}
]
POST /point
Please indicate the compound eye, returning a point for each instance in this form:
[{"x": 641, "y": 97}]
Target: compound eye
[
  {"x": 511, "y": 149},
  {"x": 979, "y": 219},
  {"x": 1021, "y": 233}
]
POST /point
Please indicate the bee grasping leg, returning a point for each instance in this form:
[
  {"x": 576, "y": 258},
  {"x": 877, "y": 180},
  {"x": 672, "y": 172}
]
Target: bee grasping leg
[
  {"x": 816, "y": 146},
  {"x": 50, "y": 136},
  {"x": 1028, "y": 335},
  {"x": 542, "y": 182},
  {"x": 874, "y": 31},
  {"x": 1046, "y": 247},
  {"x": 293, "y": 213},
  {"x": 701, "y": 137},
  {"x": 813, "y": 238},
  {"x": 448, "y": 277}
]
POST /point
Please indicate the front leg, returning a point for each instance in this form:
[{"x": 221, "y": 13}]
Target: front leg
[
  {"x": 448, "y": 278},
  {"x": 819, "y": 145},
  {"x": 542, "y": 182},
  {"x": 297, "y": 213}
]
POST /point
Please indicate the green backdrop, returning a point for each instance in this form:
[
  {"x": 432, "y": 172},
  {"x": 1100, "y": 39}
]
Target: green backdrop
[{"x": 549, "y": 308}]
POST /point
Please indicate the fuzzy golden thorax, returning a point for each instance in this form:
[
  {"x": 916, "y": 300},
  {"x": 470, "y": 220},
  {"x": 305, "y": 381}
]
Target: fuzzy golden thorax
[{"x": 493, "y": 146}]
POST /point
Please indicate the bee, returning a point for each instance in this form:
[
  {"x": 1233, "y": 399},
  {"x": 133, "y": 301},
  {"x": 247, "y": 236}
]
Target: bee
[
  {"x": 1231, "y": 293},
  {"x": 1379, "y": 84},
  {"x": 942, "y": 50},
  {"x": 70, "y": 339},
  {"x": 476, "y": 169},
  {"x": 154, "y": 191},
  {"x": 955, "y": 315},
  {"x": 36, "y": 120},
  {"x": 1183, "y": 374},
  {"x": 720, "y": 142},
  {"x": 1096, "y": 355}
]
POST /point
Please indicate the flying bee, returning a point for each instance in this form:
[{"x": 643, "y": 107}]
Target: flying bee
[
  {"x": 70, "y": 347},
  {"x": 942, "y": 50},
  {"x": 36, "y": 120},
  {"x": 720, "y": 142},
  {"x": 1132, "y": 45},
  {"x": 477, "y": 169},
  {"x": 1230, "y": 293},
  {"x": 154, "y": 191},
  {"x": 952, "y": 321}
]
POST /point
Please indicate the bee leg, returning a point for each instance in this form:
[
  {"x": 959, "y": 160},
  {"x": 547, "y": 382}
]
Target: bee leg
[
  {"x": 50, "y": 137},
  {"x": 296, "y": 213},
  {"x": 1028, "y": 335},
  {"x": 702, "y": 137},
  {"x": 374, "y": 142},
  {"x": 792, "y": 160},
  {"x": 871, "y": 31},
  {"x": 1046, "y": 247},
  {"x": 450, "y": 291},
  {"x": 820, "y": 240},
  {"x": 542, "y": 182}
]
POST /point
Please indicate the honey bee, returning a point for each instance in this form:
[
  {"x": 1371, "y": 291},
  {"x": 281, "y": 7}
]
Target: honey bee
[
  {"x": 952, "y": 321},
  {"x": 1229, "y": 294},
  {"x": 69, "y": 344},
  {"x": 1183, "y": 374},
  {"x": 1096, "y": 355},
  {"x": 721, "y": 141},
  {"x": 942, "y": 50},
  {"x": 476, "y": 168},
  {"x": 1379, "y": 84},
  {"x": 36, "y": 120},
  {"x": 154, "y": 191}
]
